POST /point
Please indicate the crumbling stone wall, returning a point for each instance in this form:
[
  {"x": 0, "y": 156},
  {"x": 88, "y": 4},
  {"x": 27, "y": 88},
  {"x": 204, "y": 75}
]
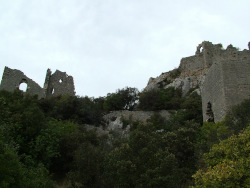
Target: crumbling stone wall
[
  {"x": 192, "y": 63},
  {"x": 12, "y": 79},
  {"x": 203, "y": 58},
  {"x": 59, "y": 83},
  {"x": 55, "y": 84}
]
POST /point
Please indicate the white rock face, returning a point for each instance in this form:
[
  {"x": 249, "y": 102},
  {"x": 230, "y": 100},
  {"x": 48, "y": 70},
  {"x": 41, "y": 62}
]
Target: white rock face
[
  {"x": 185, "y": 81},
  {"x": 153, "y": 82},
  {"x": 114, "y": 121}
]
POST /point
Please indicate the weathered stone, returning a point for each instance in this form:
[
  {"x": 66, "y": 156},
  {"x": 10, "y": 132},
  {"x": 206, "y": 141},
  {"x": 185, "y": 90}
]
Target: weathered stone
[
  {"x": 59, "y": 83},
  {"x": 221, "y": 76},
  {"x": 227, "y": 83},
  {"x": 55, "y": 84},
  {"x": 12, "y": 79}
]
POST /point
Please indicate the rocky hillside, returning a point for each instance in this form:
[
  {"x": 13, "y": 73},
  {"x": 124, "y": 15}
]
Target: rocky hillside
[{"x": 177, "y": 78}]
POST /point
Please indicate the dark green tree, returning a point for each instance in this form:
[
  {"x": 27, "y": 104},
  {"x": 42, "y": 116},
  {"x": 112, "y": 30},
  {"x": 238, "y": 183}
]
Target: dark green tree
[
  {"x": 142, "y": 161},
  {"x": 160, "y": 99},
  {"x": 123, "y": 99},
  {"x": 227, "y": 163},
  {"x": 238, "y": 118}
]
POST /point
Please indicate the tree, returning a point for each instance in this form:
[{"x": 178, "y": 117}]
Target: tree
[
  {"x": 10, "y": 167},
  {"x": 228, "y": 163},
  {"x": 238, "y": 117},
  {"x": 161, "y": 99},
  {"x": 123, "y": 99},
  {"x": 142, "y": 161},
  {"x": 19, "y": 171},
  {"x": 81, "y": 110}
]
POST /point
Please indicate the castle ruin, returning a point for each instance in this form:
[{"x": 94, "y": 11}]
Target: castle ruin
[
  {"x": 227, "y": 81},
  {"x": 55, "y": 84},
  {"x": 220, "y": 76}
]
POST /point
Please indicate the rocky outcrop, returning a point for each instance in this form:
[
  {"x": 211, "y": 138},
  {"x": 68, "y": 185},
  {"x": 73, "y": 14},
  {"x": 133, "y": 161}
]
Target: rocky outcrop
[
  {"x": 120, "y": 121},
  {"x": 185, "y": 81}
]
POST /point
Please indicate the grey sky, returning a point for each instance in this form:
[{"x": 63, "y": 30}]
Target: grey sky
[{"x": 110, "y": 44}]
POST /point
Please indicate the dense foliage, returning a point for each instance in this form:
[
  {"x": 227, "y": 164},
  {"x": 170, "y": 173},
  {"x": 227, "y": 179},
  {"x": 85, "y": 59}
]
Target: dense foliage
[
  {"x": 45, "y": 142},
  {"x": 227, "y": 163},
  {"x": 161, "y": 99},
  {"x": 123, "y": 99}
]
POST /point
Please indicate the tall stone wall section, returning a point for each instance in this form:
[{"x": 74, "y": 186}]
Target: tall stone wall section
[
  {"x": 227, "y": 82},
  {"x": 192, "y": 63},
  {"x": 204, "y": 57},
  {"x": 213, "y": 91},
  {"x": 55, "y": 84}
]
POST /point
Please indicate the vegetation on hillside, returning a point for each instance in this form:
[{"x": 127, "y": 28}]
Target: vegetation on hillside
[{"x": 44, "y": 142}]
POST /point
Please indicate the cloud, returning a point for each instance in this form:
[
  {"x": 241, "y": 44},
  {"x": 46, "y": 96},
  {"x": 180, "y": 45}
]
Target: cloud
[{"x": 106, "y": 45}]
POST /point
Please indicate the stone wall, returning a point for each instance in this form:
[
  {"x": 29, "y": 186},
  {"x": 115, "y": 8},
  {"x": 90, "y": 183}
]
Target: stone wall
[
  {"x": 203, "y": 58},
  {"x": 59, "y": 83},
  {"x": 192, "y": 63},
  {"x": 227, "y": 82},
  {"x": 55, "y": 84},
  {"x": 213, "y": 91},
  {"x": 13, "y": 78}
]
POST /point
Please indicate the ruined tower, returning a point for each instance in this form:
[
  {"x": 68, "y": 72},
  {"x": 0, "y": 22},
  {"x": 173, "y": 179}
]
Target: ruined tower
[
  {"x": 58, "y": 83},
  {"x": 55, "y": 84}
]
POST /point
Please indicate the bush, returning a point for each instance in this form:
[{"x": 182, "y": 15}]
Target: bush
[
  {"x": 123, "y": 99},
  {"x": 160, "y": 99},
  {"x": 238, "y": 118},
  {"x": 228, "y": 163}
]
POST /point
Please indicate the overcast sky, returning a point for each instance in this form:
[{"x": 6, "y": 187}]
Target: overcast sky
[{"x": 110, "y": 44}]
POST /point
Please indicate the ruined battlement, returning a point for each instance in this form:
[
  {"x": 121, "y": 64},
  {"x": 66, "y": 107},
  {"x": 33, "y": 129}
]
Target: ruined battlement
[
  {"x": 208, "y": 53},
  {"x": 55, "y": 84},
  {"x": 226, "y": 77}
]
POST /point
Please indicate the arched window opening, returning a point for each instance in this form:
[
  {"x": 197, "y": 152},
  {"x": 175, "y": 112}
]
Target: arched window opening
[
  {"x": 201, "y": 49},
  {"x": 23, "y": 87},
  {"x": 60, "y": 81},
  {"x": 53, "y": 91}
]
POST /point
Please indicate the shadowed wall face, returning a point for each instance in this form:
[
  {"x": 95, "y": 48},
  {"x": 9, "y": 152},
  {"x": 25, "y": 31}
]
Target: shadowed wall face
[{"x": 227, "y": 83}]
